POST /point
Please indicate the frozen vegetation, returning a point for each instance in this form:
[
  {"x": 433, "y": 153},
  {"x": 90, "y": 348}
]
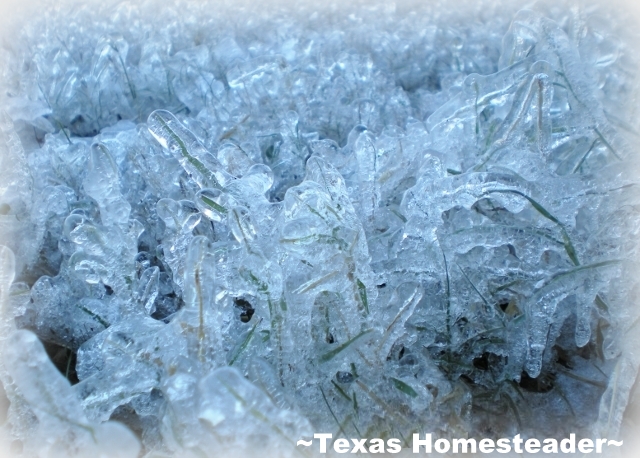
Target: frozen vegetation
[{"x": 228, "y": 228}]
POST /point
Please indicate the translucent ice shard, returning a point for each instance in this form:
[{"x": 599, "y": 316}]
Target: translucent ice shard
[
  {"x": 103, "y": 254},
  {"x": 127, "y": 353},
  {"x": 366, "y": 156},
  {"x": 40, "y": 388},
  {"x": 199, "y": 163},
  {"x": 15, "y": 191},
  {"x": 229, "y": 401},
  {"x": 199, "y": 286},
  {"x": 7, "y": 274},
  {"x": 180, "y": 219},
  {"x": 148, "y": 289},
  {"x": 102, "y": 183}
]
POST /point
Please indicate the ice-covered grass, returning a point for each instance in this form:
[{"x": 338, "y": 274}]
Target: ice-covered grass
[{"x": 228, "y": 228}]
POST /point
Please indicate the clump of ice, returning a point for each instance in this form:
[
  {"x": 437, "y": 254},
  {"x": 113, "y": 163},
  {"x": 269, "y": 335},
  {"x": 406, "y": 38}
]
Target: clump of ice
[{"x": 231, "y": 230}]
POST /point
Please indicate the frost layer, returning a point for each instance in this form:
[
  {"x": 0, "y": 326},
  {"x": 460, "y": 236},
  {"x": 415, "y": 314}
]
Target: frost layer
[{"x": 231, "y": 234}]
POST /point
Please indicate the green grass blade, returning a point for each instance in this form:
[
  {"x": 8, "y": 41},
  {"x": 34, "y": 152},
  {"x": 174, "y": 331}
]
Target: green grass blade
[
  {"x": 245, "y": 343},
  {"x": 569, "y": 248},
  {"x": 514, "y": 409},
  {"x": 95, "y": 316},
  {"x": 406, "y": 389},
  {"x": 474, "y": 286},
  {"x": 217, "y": 207},
  {"x": 332, "y": 354},
  {"x": 362, "y": 292},
  {"x": 607, "y": 144},
  {"x": 341, "y": 391}
]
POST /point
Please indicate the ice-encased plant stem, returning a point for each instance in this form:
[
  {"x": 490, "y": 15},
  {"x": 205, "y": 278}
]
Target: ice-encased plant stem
[{"x": 230, "y": 234}]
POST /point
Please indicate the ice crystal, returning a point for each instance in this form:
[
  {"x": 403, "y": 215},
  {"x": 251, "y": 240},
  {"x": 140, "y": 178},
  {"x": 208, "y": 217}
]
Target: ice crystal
[{"x": 230, "y": 234}]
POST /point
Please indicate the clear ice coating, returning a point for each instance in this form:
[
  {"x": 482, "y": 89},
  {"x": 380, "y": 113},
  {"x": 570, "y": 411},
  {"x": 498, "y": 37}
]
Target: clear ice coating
[{"x": 224, "y": 236}]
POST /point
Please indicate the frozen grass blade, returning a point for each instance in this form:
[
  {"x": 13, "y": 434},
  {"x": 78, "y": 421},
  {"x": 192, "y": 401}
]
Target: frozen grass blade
[
  {"x": 245, "y": 343},
  {"x": 260, "y": 416},
  {"x": 333, "y": 415},
  {"x": 403, "y": 387},
  {"x": 474, "y": 287},
  {"x": 333, "y": 353},
  {"x": 217, "y": 207},
  {"x": 568, "y": 245},
  {"x": 362, "y": 293},
  {"x": 341, "y": 391}
]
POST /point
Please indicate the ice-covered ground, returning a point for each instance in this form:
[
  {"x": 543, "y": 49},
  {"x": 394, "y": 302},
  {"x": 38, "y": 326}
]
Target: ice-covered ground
[{"x": 230, "y": 226}]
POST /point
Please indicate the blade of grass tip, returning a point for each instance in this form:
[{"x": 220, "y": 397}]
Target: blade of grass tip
[
  {"x": 584, "y": 158},
  {"x": 407, "y": 304},
  {"x": 484, "y": 333},
  {"x": 95, "y": 316},
  {"x": 568, "y": 246},
  {"x": 332, "y": 414},
  {"x": 514, "y": 409},
  {"x": 486, "y": 409},
  {"x": 355, "y": 404},
  {"x": 353, "y": 423},
  {"x": 364, "y": 358},
  {"x": 614, "y": 395},
  {"x": 598, "y": 369},
  {"x": 535, "y": 204},
  {"x": 506, "y": 286},
  {"x": 456, "y": 362},
  {"x": 276, "y": 331},
  {"x": 582, "y": 379},
  {"x": 219, "y": 208},
  {"x": 403, "y": 387},
  {"x": 474, "y": 286},
  {"x": 515, "y": 386},
  {"x": 310, "y": 208},
  {"x": 362, "y": 292},
  {"x": 69, "y": 356},
  {"x": 61, "y": 127},
  {"x": 185, "y": 152},
  {"x": 564, "y": 398},
  {"x": 399, "y": 215},
  {"x": 331, "y": 354},
  {"x": 343, "y": 425},
  {"x": 325, "y": 182},
  {"x": 245, "y": 343},
  {"x": 482, "y": 397},
  {"x": 581, "y": 268},
  {"x": 601, "y": 304},
  {"x": 405, "y": 442},
  {"x": 341, "y": 391},
  {"x": 201, "y": 333},
  {"x": 315, "y": 282},
  {"x": 132, "y": 89},
  {"x": 607, "y": 144},
  {"x": 600, "y": 339},
  {"x": 448, "y": 304},
  {"x": 570, "y": 87}
]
